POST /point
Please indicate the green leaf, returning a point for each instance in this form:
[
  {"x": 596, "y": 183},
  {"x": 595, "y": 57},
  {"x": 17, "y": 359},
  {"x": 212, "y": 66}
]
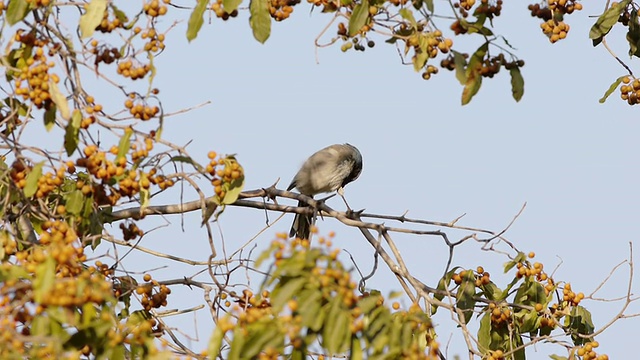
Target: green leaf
[
  {"x": 45, "y": 279},
  {"x": 530, "y": 293},
  {"x": 125, "y": 143},
  {"x": 517, "y": 83},
  {"x": 92, "y": 18},
  {"x": 261, "y": 336},
  {"x": 472, "y": 74},
  {"x": 420, "y": 59},
  {"x": 59, "y": 99},
  {"x": 530, "y": 321},
  {"x": 196, "y": 19},
  {"x": 633, "y": 34},
  {"x": 17, "y": 11},
  {"x": 407, "y": 15},
  {"x": 492, "y": 292},
  {"x": 234, "y": 188},
  {"x": 606, "y": 21},
  {"x": 611, "y": 89},
  {"x": 239, "y": 338},
  {"x": 460, "y": 63},
  {"x": 74, "y": 202},
  {"x": 429, "y": 5},
  {"x": 32, "y": 180},
  {"x": 484, "y": 332},
  {"x": 230, "y": 5},
  {"x": 558, "y": 357},
  {"x": 471, "y": 87},
  {"x": 286, "y": 291},
  {"x": 71, "y": 132},
  {"x": 356, "y": 352},
  {"x": 335, "y": 335},
  {"x": 50, "y": 117},
  {"x": 465, "y": 296},
  {"x": 358, "y": 17},
  {"x": 509, "y": 265},
  {"x": 260, "y": 20},
  {"x": 580, "y": 324}
]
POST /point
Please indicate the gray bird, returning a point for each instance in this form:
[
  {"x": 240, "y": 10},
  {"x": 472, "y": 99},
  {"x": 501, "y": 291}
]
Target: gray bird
[{"x": 327, "y": 170}]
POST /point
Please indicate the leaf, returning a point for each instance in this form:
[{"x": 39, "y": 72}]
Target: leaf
[
  {"x": 196, "y": 19},
  {"x": 71, "y": 132},
  {"x": 492, "y": 292},
  {"x": 558, "y": 357},
  {"x": 421, "y": 57},
  {"x": 286, "y": 291},
  {"x": 484, "y": 332},
  {"x": 92, "y": 18},
  {"x": 581, "y": 324},
  {"x": 472, "y": 75},
  {"x": 17, "y": 11},
  {"x": 74, "y": 202},
  {"x": 233, "y": 188},
  {"x": 429, "y": 5},
  {"x": 408, "y": 15},
  {"x": 59, "y": 99},
  {"x": 358, "y": 17},
  {"x": 460, "y": 63},
  {"x": 34, "y": 175},
  {"x": 230, "y": 5},
  {"x": 260, "y": 20},
  {"x": 261, "y": 336},
  {"x": 611, "y": 89},
  {"x": 633, "y": 35},
  {"x": 45, "y": 279},
  {"x": 335, "y": 335},
  {"x": 125, "y": 144},
  {"x": 465, "y": 296},
  {"x": 517, "y": 83},
  {"x": 606, "y": 21},
  {"x": 356, "y": 352},
  {"x": 471, "y": 88},
  {"x": 50, "y": 117}
]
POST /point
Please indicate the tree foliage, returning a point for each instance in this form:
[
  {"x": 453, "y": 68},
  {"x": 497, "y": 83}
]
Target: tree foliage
[{"x": 56, "y": 205}]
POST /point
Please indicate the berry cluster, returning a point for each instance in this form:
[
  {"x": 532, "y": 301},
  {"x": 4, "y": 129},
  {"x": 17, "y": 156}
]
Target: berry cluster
[
  {"x": 32, "y": 83},
  {"x": 108, "y": 25},
  {"x": 230, "y": 170},
  {"x": 564, "y": 6},
  {"x": 281, "y": 9},
  {"x": 500, "y": 315},
  {"x": 18, "y": 173},
  {"x": 588, "y": 353},
  {"x": 489, "y": 66},
  {"x": 630, "y": 90},
  {"x": 153, "y": 8},
  {"x": 131, "y": 231},
  {"x": 154, "y": 295},
  {"x": 553, "y": 26},
  {"x": 155, "y": 41},
  {"x": 140, "y": 109},
  {"x": 221, "y": 13},
  {"x": 489, "y": 10},
  {"x": 104, "y": 53},
  {"x": 540, "y": 12},
  {"x": 555, "y": 30},
  {"x": 127, "y": 68}
]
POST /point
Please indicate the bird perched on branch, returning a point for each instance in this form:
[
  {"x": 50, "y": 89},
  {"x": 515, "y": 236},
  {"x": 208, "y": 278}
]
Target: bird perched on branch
[{"x": 327, "y": 170}]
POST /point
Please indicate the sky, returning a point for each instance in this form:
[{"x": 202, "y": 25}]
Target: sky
[{"x": 572, "y": 160}]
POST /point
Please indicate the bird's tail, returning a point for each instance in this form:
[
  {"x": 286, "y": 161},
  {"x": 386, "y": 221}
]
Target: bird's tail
[{"x": 301, "y": 227}]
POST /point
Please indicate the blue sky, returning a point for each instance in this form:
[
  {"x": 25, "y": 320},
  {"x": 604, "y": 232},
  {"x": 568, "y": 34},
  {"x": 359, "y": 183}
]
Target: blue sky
[{"x": 572, "y": 160}]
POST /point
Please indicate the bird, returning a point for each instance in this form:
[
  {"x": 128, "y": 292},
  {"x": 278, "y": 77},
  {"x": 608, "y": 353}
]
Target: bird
[{"x": 327, "y": 170}]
